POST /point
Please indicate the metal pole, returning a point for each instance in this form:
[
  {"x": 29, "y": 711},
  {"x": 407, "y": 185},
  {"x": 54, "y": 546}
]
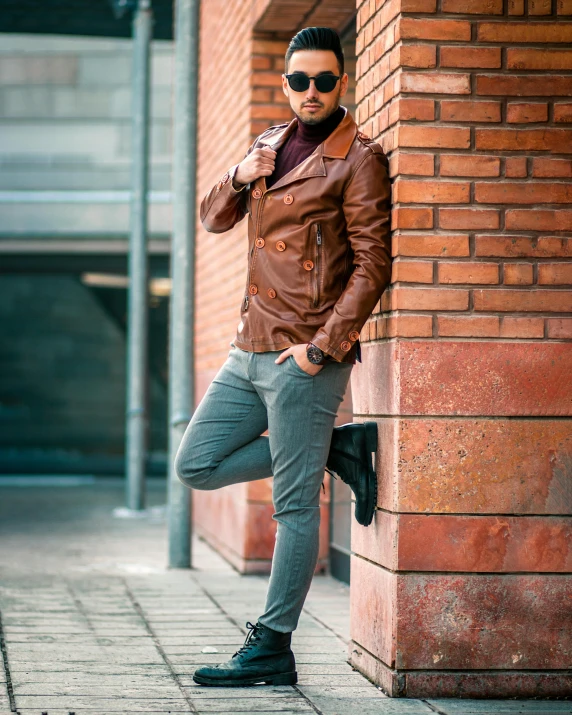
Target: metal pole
[
  {"x": 181, "y": 358},
  {"x": 137, "y": 332}
]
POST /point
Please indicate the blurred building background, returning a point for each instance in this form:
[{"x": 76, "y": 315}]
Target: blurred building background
[{"x": 65, "y": 165}]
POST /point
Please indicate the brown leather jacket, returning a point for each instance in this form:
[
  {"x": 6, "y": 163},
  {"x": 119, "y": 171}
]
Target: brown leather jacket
[{"x": 319, "y": 246}]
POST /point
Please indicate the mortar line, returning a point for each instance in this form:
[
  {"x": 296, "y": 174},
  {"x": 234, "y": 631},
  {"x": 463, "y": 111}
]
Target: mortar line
[
  {"x": 9, "y": 686},
  {"x": 137, "y": 606},
  {"x": 234, "y": 622}
]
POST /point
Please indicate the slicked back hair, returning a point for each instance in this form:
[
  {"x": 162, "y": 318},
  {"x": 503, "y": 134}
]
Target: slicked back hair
[{"x": 316, "y": 38}]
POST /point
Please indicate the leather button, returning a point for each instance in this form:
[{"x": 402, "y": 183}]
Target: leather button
[
  {"x": 280, "y": 246},
  {"x": 272, "y": 292},
  {"x": 354, "y": 335},
  {"x": 256, "y": 194},
  {"x": 288, "y": 199},
  {"x": 252, "y": 289},
  {"x": 259, "y": 242},
  {"x": 346, "y": 346},
  {"x": 308, "y": 265}
]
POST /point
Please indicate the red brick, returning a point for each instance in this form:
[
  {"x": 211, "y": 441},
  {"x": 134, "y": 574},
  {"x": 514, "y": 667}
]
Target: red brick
[
  {"x": 453, "y": 110},
  {"x": 466, "y": 165},
  {"x": 563, "y": 112},
  {"x": 521, "y": 327},
  {"x": 468, "y": 218},
  {"x": 445, "y": 137},
  {"x": 515, "y": 167},
  {"x": 467, "y": 56},
  {"x": 409, "y": 163},
  {"x": 429, "y": 299},
  {"x": 555, "y": 274},
  {"x": 468, "y": 272},
  {"x": 529, "y": 301},
  {"x": 408, "y": 326},
  {"x": 411, "y": 218},
  {"x": 527, "y": 58},
  {"x": 542, "y": 167},
  {"x": 417, "y": 56},
  {"x": 409, "y": 28},
  {"x": 534, "y": 32},
  {"x": 517, "y": 192},
  {"x": 409, "y": 108},
  {"x": 538, "y": 220},
  {"x": 432, "y": 245},
  {"x": 559, "y": 328},
  {"x": 435, "y": 82},
  {"x": 523, "y": 246},
  {"x": 545, "y": 139},
  {"x": 418, "y": 5},
  {"x": 412, "y": 271},
  {"x": 518, "y": 273},
  {"x": 476, "y": 7},
  {"x": 469, "y": 326},
  {"x": 524, "y": 112},
  {"x": 441, "y": 192}
]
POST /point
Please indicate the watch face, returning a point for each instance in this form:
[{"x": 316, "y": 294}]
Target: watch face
[{"x": 314, "y": 355}]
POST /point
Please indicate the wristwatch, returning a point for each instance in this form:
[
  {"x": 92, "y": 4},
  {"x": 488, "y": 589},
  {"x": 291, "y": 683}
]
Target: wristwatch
[{"x": 316, "y": 355}]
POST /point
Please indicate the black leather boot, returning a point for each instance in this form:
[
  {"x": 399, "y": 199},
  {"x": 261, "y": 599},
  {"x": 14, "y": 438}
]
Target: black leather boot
[
  {"x": 265, "y": 657},
  {"x": 350, "y": 457}
]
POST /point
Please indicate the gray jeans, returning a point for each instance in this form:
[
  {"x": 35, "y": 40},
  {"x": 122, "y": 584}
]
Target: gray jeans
[{"x": 223, "y": 444}]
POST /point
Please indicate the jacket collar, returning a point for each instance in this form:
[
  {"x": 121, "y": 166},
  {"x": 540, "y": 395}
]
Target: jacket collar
[{"x": 336, "y": 146}]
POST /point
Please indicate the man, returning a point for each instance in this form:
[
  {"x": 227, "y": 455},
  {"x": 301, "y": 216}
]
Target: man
[{"x": 317, "y": 194}]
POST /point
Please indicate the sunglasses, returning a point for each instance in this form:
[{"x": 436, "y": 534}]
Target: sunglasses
[{"x": 300, "y": 82}]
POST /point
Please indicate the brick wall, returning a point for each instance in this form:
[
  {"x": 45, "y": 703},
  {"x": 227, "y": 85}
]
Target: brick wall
[
  {"x": 474, "y": 109},
  {"x": 467, "y": 357}
]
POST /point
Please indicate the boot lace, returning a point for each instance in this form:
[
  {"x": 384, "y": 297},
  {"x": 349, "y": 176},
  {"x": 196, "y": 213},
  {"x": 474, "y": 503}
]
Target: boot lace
[{"x": 251, "y": 638}]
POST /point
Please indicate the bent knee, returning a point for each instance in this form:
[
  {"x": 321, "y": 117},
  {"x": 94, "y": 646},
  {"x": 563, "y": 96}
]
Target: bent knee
[{"x": 191, "y": 474}]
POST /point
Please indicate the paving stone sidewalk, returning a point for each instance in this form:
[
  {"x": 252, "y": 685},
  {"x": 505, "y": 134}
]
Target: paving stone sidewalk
[{"x": 94, "y": 624}]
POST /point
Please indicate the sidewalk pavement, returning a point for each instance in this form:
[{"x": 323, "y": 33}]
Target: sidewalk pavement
[{"x": 92, "y": 623}]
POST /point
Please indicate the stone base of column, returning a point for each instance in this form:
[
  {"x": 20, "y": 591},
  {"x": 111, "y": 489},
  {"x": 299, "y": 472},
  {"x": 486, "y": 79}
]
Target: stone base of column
[{"x": 460, "y": 684}]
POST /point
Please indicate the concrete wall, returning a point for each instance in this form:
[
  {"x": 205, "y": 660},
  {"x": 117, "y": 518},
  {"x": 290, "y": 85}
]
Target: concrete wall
[{"x": 65, "y": 105}]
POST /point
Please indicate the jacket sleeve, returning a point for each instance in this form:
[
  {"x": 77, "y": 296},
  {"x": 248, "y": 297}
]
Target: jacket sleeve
[
  {"x": 367, "y": 209},
  {"x": 224, "y": 206}
]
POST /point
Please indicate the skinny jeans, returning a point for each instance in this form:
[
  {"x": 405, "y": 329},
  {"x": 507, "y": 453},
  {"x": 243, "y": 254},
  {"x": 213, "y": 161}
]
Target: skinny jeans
[{"x": 223, "y": 444}]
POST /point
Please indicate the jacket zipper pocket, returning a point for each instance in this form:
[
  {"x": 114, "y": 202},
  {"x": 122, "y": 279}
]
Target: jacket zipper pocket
[
  {"x": 247, "y": 296},
  {"x": 317, "y": 266}
]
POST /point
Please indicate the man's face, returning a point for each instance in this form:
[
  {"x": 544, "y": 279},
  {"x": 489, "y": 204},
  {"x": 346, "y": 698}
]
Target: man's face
[{"x": 312, "y": 106}]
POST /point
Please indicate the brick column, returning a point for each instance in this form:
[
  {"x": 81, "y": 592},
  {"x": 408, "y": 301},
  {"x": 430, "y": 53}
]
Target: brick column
[{"x": 461, "y": 586}]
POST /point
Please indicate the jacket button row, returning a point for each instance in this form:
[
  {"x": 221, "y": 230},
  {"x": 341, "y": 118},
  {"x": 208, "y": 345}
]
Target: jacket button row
[
  {"x": 345, "y": 345},
  {"x": 259, "y": 242},
  {"x": 354, "y": 335},
  {"x": 256, "y": 194},
  {"x": 252, "y": 289},
  {"x": 272, "y": 292},
  {"x": 288, "y": 199},
  {"x": 308, "y": 265}
]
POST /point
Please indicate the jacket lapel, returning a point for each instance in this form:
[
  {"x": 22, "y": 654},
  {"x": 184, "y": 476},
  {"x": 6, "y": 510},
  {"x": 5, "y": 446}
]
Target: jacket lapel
[{"x": 336, "y": 146}]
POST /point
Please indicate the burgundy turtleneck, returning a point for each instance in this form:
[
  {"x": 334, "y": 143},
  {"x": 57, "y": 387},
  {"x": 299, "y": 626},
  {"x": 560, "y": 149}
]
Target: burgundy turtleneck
[{"x": 301, "y": 143}]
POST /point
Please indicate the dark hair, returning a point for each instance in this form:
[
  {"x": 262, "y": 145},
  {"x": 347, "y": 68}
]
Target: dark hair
[{"x": 316, "y": 38}]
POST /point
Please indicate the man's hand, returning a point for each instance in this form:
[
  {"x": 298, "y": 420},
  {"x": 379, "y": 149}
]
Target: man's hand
[
  {"x": 260, "y": 162},
  {"x": 299, "y": 353}
]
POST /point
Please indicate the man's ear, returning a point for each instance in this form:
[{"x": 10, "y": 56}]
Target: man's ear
[
  {"x": 284, "y": 85},
  {"x": 344, "y": 84}
]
